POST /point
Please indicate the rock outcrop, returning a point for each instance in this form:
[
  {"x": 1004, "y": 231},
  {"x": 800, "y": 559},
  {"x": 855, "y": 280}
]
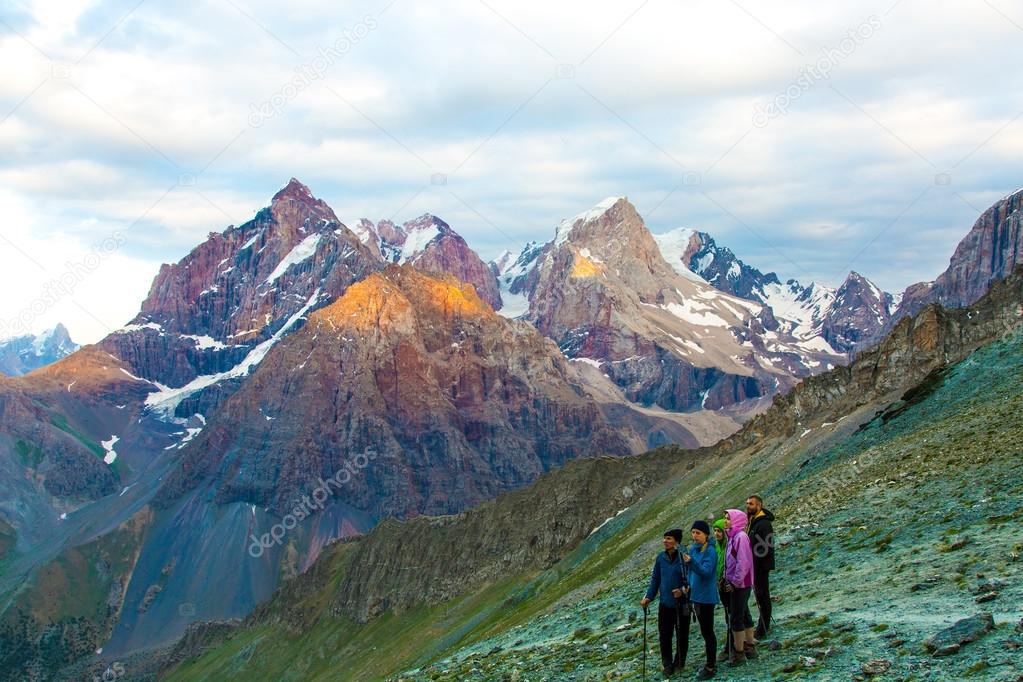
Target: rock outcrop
[{"x": 989, "y": 252}]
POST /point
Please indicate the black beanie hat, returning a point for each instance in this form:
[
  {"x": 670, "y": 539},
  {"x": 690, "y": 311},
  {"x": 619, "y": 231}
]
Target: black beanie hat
[
  {"x": 674, "y": 533},
  {"x": 701, "y": 525}
]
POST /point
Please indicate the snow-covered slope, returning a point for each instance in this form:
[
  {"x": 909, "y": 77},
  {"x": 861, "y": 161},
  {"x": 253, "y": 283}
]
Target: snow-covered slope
[{"x": 834, "y": 320}]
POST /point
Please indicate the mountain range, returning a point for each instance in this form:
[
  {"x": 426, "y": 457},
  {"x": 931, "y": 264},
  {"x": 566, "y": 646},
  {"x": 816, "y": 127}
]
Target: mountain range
[
  {"x": 22, "y": 354},
  {"x": 142, "y": 471}
]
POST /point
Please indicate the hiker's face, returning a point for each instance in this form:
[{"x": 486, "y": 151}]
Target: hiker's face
[
  {"x": 728, "y": 523},
  {"x": 719, "y": 534},
  {"x": 752, "y": 506},
  {"x": 669, "y": 543},
  {"x": 699, "y": 537}
]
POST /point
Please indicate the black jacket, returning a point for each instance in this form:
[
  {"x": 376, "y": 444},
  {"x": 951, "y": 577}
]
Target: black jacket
[{"x": 761, "y": 537}]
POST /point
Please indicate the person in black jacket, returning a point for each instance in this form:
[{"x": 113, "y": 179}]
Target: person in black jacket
[{"x": 761, "y": 535}]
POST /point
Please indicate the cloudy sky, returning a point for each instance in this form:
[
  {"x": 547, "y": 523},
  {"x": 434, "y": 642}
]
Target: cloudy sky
[{"x": 811, "y": 140}]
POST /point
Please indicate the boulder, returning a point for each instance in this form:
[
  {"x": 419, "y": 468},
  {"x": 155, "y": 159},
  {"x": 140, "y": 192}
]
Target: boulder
[{"x": 949, "y": 640}]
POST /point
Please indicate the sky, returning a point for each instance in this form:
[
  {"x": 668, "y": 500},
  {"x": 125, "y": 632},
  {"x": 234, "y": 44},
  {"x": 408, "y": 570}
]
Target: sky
[{"x": 811, "y": 139}]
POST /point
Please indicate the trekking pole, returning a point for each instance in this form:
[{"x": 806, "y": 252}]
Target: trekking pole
[
  {"x": 644, "y": 642},
  {"x": 728, "y": 627}
]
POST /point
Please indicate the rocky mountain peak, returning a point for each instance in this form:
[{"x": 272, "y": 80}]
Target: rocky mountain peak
[
  {"x": 430, "y": 244},
  {"x": 296, "y": 211},
  {"x": 294, "y": 191},
  {"x": 605, "y": 218},
  {"x": 989, "y": 252}
]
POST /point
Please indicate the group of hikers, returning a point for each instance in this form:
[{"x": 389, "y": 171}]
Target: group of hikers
[{"x": 724, "y": 566}]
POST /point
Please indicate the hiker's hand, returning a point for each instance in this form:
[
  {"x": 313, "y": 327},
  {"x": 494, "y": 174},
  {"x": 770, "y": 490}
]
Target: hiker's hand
[
  {"x": 686, "y": 558},
  {"x": 728, "y": 587},
  {"x": 643, "y": 602},
  {"x": 686, "y": 590},
  {"x": 677, "y": 593}
]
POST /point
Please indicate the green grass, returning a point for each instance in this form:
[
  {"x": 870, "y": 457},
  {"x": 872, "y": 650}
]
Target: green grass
[
  {"x": 29, "y": 454},
  {"x": 60, "y": 422}
]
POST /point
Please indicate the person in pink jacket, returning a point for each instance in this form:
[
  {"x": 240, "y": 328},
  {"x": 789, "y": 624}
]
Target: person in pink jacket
[{"x": 738, "y": 584}]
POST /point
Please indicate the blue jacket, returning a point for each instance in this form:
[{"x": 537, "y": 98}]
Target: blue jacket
[
  {"x": 666, "y": 576},
  {"x": 703, "y": 568}
]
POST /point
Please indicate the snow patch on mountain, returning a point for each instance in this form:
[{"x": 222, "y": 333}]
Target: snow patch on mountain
[
  {"x": 563, "y": 230},
  {"x": 204, "y": 342},
  {"x": 416, "y": 241},
  {"x": 303, "y": 250},
  {"x": 108, "y": 446},
  {"x": 673, "y": 246}
]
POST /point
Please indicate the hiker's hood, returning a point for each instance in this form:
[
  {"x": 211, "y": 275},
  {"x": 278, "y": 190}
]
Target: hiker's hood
[
  {"x": 738, "y": 519},
  {"x": 764, "y": 514}
]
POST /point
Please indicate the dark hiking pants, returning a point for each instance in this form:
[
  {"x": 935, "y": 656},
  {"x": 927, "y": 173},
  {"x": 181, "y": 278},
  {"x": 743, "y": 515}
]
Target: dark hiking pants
[{"x": 762, "y": 594}]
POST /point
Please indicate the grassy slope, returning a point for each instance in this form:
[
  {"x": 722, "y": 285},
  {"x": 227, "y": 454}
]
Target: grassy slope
[
  {"x": 67, "y": 610},
  {"x": 864, "y": 515}
]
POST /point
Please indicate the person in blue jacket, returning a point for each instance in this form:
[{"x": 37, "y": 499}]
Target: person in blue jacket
[
  {"x": 668, "y": 580},
  {"x": 702, "y": 562}
]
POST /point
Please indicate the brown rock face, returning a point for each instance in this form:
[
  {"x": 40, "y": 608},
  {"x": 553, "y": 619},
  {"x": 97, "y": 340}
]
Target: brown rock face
[
  {"x": 53, "y": 420},
  {"x": 431, "y": 245},
  {"x": 453, "y": 403},
  {"x": 989, "y": 252}
]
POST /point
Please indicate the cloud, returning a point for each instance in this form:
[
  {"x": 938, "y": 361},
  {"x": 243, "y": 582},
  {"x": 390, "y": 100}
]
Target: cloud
[{"x": 140, "y": 118}]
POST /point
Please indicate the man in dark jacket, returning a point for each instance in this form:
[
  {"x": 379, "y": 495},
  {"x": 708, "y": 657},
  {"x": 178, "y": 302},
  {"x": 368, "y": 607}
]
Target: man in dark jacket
[
  {"x": 761, "y": 535},
  {"x": 668, "y": 579}
]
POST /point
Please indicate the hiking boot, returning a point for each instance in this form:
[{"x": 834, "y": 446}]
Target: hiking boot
[
  {"x": 668, "y": 671},
  {"x": 760, "y": 632},
  {"x": 736, "y": 659},
  {"x": 750, "y": 651},
  {"x": 723, "y": 654},
  {"x": 706, "y": 673}
]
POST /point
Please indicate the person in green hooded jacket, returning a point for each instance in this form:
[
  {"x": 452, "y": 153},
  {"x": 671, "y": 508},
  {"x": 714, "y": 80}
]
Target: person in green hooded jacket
[{"x": 721, "y": 542}]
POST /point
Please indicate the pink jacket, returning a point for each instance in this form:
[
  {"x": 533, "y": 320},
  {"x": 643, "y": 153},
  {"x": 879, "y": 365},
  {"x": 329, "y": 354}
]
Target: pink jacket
[{"x": 739, "y": 553}]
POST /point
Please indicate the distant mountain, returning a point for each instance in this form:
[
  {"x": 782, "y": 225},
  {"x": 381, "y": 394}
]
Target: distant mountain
[
  {"x": 604, "y": 292},
  {"x": 989, "y": 252},
  {"x": 22, "y": 354},
  {"x": 840, "y": 319},
  {"x": 431, "y": 245}
]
